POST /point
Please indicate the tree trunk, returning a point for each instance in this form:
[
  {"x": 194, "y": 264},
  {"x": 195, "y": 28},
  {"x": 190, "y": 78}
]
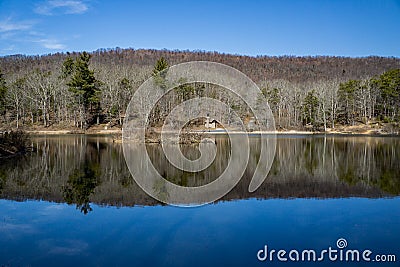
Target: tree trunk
[
  {"x": 324, "y": 116},
  {"x": 17, "y": 117}
]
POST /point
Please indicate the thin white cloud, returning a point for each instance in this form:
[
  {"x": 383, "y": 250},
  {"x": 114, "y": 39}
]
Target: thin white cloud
[
  {"x": 53, "y": 7},
  {"x": 7, "y": 35},
  {"x": 51, "y": 44},
  {"x": 8, "y": 25},
  {"x": 8, "y": 49},
  {"x": 55, "y": 46}
]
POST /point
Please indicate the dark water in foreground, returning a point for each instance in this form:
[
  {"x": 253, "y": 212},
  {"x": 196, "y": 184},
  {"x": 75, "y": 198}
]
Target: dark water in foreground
[{"x": 73, "y": 202}]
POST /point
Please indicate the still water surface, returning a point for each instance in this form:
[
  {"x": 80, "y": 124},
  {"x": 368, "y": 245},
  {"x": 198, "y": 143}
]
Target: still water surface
[{"x": 73, "y": 202}]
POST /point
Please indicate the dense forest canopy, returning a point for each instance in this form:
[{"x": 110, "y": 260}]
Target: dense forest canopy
[{"x": 82, "y": 89}]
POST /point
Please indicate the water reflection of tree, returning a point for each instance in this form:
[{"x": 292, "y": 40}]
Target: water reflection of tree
[
  {"x": 160, "y": 190},
  {"x": 80, "y": 185},
  {"x": 189, "y": 179},
  {"x": 373, "y": 164},
  {"x": 389, "y": 182},
  {"x": 3, "y": 180},
  {"x": 311, "y": 156},
  {"x": 319, "y": 166}
]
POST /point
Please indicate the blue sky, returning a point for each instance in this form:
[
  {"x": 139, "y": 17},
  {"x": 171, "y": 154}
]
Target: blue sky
[{"x": 281, "y": 27}]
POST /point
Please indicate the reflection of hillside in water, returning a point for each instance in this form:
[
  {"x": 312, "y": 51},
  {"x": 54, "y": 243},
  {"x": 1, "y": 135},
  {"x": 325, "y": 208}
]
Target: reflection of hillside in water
[{"x": 81, "y": 169}]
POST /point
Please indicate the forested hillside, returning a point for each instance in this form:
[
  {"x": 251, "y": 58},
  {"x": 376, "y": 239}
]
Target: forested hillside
[{"x": 84, "y": 89}]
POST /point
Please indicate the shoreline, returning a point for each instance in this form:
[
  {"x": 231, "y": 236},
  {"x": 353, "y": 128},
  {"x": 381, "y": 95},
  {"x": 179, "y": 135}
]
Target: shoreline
[
  {"x": 369, "y": 129},
  {"x": 65, "y": 132},
  {"x": 218, "y": 132}
]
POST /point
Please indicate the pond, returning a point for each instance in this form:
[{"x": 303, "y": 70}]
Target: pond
[{"x": 73, "y": 202}]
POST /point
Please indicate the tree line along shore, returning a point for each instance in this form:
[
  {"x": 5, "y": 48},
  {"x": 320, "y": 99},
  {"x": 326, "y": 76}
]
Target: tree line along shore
[{"x": 89, "y": 92}]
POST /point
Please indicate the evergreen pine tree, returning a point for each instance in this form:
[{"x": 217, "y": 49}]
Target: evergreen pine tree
[{"x": 83, "y": 85}]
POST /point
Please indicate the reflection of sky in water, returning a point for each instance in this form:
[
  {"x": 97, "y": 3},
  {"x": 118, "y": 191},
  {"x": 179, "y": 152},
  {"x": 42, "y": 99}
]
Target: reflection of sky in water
[{"x": 40, "y": 233}]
